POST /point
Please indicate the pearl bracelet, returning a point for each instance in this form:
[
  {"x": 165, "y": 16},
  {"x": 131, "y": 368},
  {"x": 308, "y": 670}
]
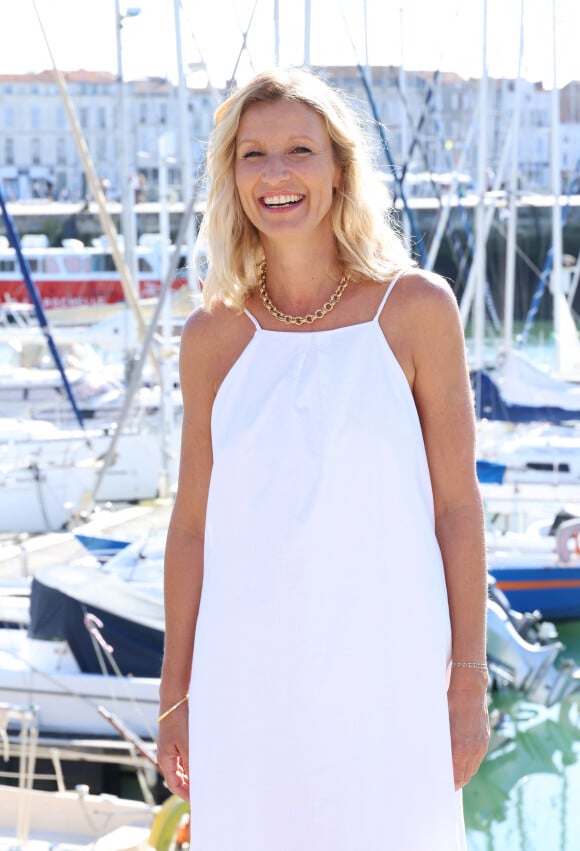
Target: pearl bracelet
[
  {"x": 478, "y": 666},
  {"x": 171, "y": 709}
]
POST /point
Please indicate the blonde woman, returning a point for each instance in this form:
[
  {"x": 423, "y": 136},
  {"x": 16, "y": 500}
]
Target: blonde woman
[{"x": 324, "y": 680}]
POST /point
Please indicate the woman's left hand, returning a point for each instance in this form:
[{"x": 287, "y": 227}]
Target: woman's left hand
[{"x": 469, "y": 720}]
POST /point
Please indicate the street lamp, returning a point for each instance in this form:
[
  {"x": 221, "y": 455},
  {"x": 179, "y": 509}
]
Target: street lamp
[{"x": 129, "y": 225}]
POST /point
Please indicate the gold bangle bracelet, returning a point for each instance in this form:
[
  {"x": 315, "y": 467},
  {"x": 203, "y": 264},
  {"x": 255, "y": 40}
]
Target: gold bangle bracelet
[{"x": 171, "y": 709}]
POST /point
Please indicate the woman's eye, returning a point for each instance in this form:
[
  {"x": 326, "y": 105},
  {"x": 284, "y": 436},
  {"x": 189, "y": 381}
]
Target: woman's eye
[
  {"x": 301, "y": 149},
  {"x": 249, "y": 154}
]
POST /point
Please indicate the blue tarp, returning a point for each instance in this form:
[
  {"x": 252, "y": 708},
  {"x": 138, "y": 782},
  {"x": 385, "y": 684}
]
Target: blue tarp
[{"x": 490, "y": 472}]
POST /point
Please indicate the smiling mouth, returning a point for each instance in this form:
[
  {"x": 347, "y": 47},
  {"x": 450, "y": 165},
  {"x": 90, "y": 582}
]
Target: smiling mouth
[{"x": 278, "y": 201}]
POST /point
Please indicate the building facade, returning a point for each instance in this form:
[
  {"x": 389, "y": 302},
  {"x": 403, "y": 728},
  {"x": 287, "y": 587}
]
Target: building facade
[
  {"x": 38, "y": 152},
  {"x": 431, "y": 129}
]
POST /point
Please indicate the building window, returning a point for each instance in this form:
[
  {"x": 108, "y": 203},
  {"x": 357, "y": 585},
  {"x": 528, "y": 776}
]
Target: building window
[
  {"x": 163, "y": 113},
  {"x": 35, "y": 152},
  {"x": 84, "y": 117},
  {"x": 142, "y": 113},
  {"x": 101, "y": 117},
  {"x": 8, "y": 116},
  {"x": 9, "y": 151},
  {"x": 35, "y": 117},
  {"x": 60, "y": 117},
  {"x": 61, "y": 151},
  {"x": 61, "y": 190},
  {"x": 101, "y": 148}
]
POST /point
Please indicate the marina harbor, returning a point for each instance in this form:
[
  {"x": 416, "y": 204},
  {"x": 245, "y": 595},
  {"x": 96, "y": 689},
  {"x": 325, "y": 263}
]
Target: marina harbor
[{"x": 103, "y": 191}]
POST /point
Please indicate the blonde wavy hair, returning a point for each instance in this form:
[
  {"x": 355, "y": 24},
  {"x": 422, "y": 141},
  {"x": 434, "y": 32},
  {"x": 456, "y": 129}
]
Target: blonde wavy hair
[{"x": 368, "y": 243}]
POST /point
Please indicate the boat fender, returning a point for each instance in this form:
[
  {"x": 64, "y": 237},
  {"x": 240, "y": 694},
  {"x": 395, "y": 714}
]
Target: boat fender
[
  {"x": 168, "y": 823},
  {"x": 570, "y": 530}
]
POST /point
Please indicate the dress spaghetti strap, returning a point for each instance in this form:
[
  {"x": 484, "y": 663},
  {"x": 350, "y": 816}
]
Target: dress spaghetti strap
[
  {"x": 253, "y": 319},
  {"x": 387, "y": 294}
]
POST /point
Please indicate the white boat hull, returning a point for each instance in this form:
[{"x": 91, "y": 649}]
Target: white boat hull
[
  {"x": 43, "y": 499},
  {"x": 44, "y": 675},
  {"x": 75, "y": 817},
  {"x": 139, "y": 461},
  {"x": 68, "y": 704},
  {"x": 49, "y": 475}
]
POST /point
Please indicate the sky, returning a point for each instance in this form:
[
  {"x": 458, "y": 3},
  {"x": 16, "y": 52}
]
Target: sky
[{"x": 419, "y": 34}]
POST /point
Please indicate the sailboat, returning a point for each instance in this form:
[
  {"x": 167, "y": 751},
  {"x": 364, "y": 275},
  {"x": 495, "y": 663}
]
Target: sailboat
[
  {"x": 46, "y": 476},
  {"x": 94, "y": 638}
]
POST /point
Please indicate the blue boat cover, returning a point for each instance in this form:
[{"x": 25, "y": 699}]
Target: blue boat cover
[
  {"x": 137, "y": 648},
  {"x": 490, "y": 405}
]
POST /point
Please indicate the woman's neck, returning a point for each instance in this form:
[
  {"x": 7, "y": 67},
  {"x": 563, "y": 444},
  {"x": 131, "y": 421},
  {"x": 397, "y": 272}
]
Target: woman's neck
[{"x": 299, "y": 278}]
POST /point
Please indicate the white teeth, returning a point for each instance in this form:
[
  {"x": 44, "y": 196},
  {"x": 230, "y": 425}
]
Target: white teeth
[{"x": 281, "y": 200}]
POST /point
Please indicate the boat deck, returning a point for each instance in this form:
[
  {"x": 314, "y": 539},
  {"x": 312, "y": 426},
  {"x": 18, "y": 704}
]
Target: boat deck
[
  {"x": 23, "y": 555},
  {"x": 43, "y": 804}
]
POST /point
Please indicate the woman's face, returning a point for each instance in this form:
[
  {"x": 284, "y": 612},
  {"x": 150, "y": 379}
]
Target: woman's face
[{"x": 284, "y": 169}]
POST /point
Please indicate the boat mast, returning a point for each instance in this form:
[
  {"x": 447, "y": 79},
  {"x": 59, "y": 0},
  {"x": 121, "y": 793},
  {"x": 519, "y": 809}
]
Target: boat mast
[
  {"x": 276, "y": 32},
  {"x": 307, "y": 18},
  {"x": 136, "y": 372},
  {"x": 479, "y": 260},
  {"x": 167, "y": 412},
  {"x": 184, "y": 146},
  {"x": 95, "y": 187},
  {"x": 34, "y": 295},
  {"x": 418, "y": 243},
  {"x": 128, "y": 219},
  {"x": 366, "y": 35},
  {"x": 510, "y": 270},
  {"x": 556, "y": 190},
  {"x": 403, "y": 113}
]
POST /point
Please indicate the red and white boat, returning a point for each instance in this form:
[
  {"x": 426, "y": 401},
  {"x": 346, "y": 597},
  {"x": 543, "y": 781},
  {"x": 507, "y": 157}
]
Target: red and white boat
[{"x": 76, "y": 275}]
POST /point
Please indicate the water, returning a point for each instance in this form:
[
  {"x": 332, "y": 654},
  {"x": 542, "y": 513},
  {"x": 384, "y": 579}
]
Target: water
[
  {"x": 540, "y": 346},
  {"x": 526, "y": 795}
]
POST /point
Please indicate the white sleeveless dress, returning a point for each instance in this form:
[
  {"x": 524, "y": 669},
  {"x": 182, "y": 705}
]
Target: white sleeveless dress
[{"x": 318, "y": 709}]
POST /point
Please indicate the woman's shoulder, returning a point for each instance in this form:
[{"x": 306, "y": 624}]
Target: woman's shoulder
[
  {"x": 421, "y": 308},
  {"x": 213, "y": 338},
  {"x": 420, "y": 284},
  {"x": 425, "y": 294},
  {"x": 211, "y": 325}
]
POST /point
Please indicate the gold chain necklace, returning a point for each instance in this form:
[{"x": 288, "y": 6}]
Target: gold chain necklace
[{"x": 287, "y": 318}]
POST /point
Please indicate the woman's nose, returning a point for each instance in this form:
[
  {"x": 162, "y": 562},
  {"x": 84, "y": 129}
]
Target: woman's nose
[{"x": 275, "y": 169}]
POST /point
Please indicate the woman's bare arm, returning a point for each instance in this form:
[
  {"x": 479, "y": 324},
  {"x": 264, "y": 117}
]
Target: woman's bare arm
[
  {"x": 184, "y": 549},
  {"x": 440, "y": 383}
]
